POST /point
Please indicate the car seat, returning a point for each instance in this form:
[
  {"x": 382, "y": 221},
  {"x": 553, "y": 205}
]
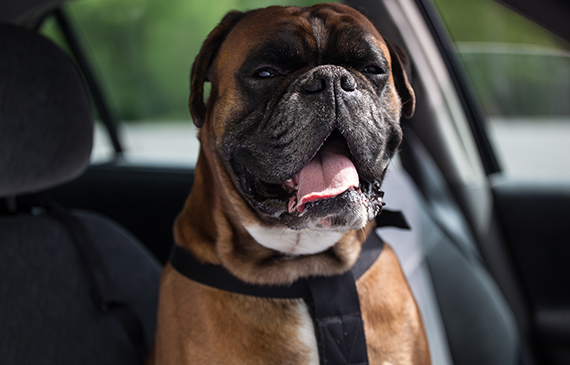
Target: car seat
[
  {"x": 466, "y": 317},
  {"x": 75, "y": 287}
]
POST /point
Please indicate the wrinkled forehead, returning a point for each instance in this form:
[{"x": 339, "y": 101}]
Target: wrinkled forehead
[{"x": 296, "y": 29}]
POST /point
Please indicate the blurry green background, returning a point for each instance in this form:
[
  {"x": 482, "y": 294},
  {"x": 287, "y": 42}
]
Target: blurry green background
[
  {"x": 518, "y": 68},
  {"x": 143, "y": 51}
]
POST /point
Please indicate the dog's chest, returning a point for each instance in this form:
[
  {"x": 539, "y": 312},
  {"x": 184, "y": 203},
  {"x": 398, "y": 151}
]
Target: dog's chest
[
  {"x": 306, "y": 333},
  {"x": 220, "y": 327},
  {"x": 303, "y": 242}
]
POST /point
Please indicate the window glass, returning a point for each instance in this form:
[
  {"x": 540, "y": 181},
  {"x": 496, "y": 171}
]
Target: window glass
[
  {"x": 142, "y": 51},
  {"x": 521, "y": 73}
]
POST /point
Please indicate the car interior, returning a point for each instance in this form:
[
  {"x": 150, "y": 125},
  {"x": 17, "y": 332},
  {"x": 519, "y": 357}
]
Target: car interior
[
  {"x": 76, "y": 285},
  {"x": 82, "y": 245}
]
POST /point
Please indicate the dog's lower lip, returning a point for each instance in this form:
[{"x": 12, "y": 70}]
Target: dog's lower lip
[{"x": 367, "y": 199}]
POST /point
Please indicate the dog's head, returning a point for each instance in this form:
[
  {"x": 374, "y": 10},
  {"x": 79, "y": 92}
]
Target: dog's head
[{"x": 303, "y": 112}]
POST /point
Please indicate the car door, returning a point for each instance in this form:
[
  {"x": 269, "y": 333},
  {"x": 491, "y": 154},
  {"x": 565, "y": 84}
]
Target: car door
[{"x": 513, "y": 79}]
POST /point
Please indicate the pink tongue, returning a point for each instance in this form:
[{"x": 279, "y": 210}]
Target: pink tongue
[{"x": 329, "y": 174}]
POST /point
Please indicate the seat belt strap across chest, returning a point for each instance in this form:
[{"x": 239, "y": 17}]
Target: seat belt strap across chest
[{"x": 333, "y": 300}]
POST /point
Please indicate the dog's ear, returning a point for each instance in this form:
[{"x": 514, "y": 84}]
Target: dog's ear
[
  {"x": 201, "y": 66},
  {"x": 401, "y": 68}
]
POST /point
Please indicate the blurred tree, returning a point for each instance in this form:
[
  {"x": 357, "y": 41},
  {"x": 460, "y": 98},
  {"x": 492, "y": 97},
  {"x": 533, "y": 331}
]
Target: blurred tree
[
  {"x": 488, "y": 21},
  {"x": 143, "y": 49},
  {"x": 517, "y": 67}
]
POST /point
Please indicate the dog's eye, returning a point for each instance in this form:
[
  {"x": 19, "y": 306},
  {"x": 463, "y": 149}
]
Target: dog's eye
[
  {"x": 264, "y": 73},
  {"x": 373, "y": 69}
]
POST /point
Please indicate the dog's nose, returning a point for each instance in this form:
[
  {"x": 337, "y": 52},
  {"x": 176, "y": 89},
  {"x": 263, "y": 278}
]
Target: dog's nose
[{"x": 329, "y": 79}]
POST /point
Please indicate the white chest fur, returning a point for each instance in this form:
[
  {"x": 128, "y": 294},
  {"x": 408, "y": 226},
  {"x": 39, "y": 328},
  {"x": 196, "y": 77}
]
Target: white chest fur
[
  {"x": 306, "y": 333},
  {"x": 303, "y": 242}
]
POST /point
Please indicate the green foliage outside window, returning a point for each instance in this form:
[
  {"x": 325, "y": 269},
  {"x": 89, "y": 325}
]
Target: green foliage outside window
[
  {"x": 518, "y": 68},
  {"x": 143, "y": 49}
]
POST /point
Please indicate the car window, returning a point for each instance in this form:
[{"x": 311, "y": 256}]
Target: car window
[
  {"x": 521, "y": 73},
  {"x": 142, "y": 52}
]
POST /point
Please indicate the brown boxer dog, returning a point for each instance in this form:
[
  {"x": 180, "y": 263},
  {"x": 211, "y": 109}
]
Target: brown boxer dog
[{"x": 296, "y": 135}]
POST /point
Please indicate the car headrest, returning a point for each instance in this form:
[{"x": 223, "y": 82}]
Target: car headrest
[{"x": 46, "y": 127}]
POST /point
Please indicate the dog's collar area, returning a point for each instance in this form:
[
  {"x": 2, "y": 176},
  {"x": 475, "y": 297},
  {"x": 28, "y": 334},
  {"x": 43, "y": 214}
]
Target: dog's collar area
[{"x": 333, "y": 301}]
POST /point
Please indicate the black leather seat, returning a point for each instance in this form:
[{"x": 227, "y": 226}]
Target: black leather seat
[{"x": 75, "y": 287}]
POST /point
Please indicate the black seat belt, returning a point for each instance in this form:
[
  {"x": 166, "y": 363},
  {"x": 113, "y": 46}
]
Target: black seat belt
[
  {"x": 102, "y": 291},
  {"x": 333, "y": 300}
]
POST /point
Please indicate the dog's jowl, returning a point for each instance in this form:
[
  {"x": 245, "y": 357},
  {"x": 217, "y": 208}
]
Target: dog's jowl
[{"x": 302, "y": 120}]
